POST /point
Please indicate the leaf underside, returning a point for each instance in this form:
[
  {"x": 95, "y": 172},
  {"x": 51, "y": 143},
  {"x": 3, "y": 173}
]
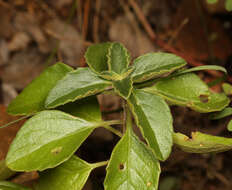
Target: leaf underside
[
  {"x": 33, "y": 97},
  {"x": 71, "y": 175},
  {"x": 5, "y": 185},
  {"x": 46, "y": 140},
  {"x": 87, "y": 108},
  {"x": 132, "y": 166},
  {"x": 202, "y": 143},
  {"x": 154, "y": 119}
]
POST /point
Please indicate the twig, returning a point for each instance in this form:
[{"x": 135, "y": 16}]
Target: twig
[
  {"x": 85, "y": 19},
  {"x": 15, "y": 121},
  {"x": 142, "y": 19},
  {"x": 164, "y": 45},
  {"x": 96, "y": 21}
]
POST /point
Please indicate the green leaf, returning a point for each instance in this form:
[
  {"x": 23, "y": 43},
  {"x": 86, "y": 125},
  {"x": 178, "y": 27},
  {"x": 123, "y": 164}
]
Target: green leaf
[
  {"x": 201, "y": 68},
  {"x": 154, "y": 119},
  {"x": 202, "y": 143},
  {"x": 153, "y": 65},
  {"x": 118, "y": 58},
  {"x": 87, "y": 108},
  {"x": 96, "y": 57},
  {"x": 123, "y": 87},
  {"x": 212, "y": 1},
  {"x": 33, "y": 97},
  {"x": 5, "y": 185},
  {"x": 189, "y": 90},
  {"x": 132, "y": 166},
  {"x": 228, "y": 5},
  {"x": 229, "y": 126},
  {"x": 5, "y": 172},
  {"x": 224, "y": 113},
  {"x": 71, "y": 175},
  {"x": 112, "y": 76},
  {"x": 46, "y": 140},
  {"x": 227, "y": 88},
  {"x": 75, "y": 85}
]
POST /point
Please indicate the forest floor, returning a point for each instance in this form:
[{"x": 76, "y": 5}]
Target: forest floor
[{"x": 35, "y": 34}]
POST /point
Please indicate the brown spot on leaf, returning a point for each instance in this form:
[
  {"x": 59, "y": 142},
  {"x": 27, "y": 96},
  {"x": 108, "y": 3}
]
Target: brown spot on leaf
[
  {"x": 56, "y": 150},
  {"x": 121, "y": 166},
  {"x": 204, "y": 98},
  {"x": 148, "y": 184}
]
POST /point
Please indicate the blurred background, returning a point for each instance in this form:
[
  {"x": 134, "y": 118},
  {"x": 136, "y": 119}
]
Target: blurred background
[{"x": 35, "y": 34}]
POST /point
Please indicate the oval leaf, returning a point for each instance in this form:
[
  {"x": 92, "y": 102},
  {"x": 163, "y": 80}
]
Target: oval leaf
[
  {"x": 224, "y": 113},
  {"x": 87, "y": 108},
  {"x": 227, "y": 88},
  {"x": 189, "y": 90},
  {"x": 202, "y": 143},
  {"x": 5, "y": 185},
  {"x": 202, "y": 68},
  {"x": 132, "y": 166},
  {"x": 229, "y": 126},
  {"x": 5, "y": 172},
  {"x": 154, "y": 119},
  {"x": 73, "y": 175},
  {"x": 75, "y": 85},
  {"x": 123, "y": 87},
  {"x": 33, "y": 97},
  {"x": 153, "y": 65},
  {"x": 96, "y": 57},
  {"x": 118, "y": 58},
  {"x": 46, "y": 140}
]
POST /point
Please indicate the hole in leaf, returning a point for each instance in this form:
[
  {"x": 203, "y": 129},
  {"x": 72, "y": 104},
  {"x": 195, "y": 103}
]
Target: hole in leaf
[
  {"x": 56, "y": 150},
  {"x": 204, "y": 98},
  {"x": 121, "y": 166}
]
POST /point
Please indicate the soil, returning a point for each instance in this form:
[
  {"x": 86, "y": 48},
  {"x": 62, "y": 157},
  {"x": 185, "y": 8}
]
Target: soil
[{"x": 35, "y": 34}]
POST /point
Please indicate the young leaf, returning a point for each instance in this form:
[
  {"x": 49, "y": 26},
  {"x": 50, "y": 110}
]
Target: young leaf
[
  {"x": 123, "y": 87},
  {"x": 75, "y": 85},
  {"x": 78, "y": 109},
  {"x": 224, "y": 113},
  {"x": 201, "y": 68},
  {"x": 32, "y": 98},
  {"x": 189, "y": 90},
  {"x": 154, "y": 119},
  {"x": 229, "y": 126},
  {"x": 153, "y": 65},
  {"x": 228, "y": 5},
  {"x": 70, "y": 175},
  {"x": 5, "y": 172},
  {"x": 46, "y": 140},
  {"x": 202, "y": 143},
  {"x": 5, "y": 185},
  {"x": 227, "y": 88},
  {"x": 212, "y": 1},
  {"x": 132, "y": 166},
  {"x": 118, "y": 58},
  {"x": 96, "y": 57}
]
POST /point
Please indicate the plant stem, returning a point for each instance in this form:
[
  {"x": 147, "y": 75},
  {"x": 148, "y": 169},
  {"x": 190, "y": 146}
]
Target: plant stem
[
  {"x": 111, "y": 122},
  {"x": 15, "y": 121},
  {"x": 128, "y": 118},
  {"x": 115, "y": 131},
  {"x": 5, "y": 172},
  {"x": 100, "y": 164}
]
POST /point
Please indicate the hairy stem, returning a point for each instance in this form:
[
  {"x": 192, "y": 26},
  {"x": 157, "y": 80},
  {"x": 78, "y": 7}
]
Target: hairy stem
[
  {"x": 113, "y": 130},
  {"x": 100, "y": 164}
]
